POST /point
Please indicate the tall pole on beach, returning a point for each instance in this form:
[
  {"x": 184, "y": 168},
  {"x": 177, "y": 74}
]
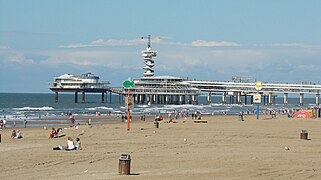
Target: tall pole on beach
[
  {"x": 128, "y": 101},
  {"x": 258, "y": 108},
  {"x": 257, "y": 98},
  {"x": 128, "y": 113}
]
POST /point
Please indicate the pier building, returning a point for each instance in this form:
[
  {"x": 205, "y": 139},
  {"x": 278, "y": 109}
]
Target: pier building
[
  {"x": 85, "y": 83},
  {"x": 164, "y": 90}
]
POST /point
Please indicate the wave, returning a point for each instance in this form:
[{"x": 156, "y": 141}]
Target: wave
[
  {"x": 45, "y": 108},
  {"x": 99, "y": 108},
  {"x": 143, "y": 106}
]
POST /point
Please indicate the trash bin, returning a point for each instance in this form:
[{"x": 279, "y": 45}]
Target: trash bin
[
  {"x": 156, "y": 124},
  {"x": 304, "y": 134},
  {"x": 124, "y": 164}
]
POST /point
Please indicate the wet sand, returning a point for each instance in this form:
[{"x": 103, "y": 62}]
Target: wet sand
[{"x": 222, "y": 148}]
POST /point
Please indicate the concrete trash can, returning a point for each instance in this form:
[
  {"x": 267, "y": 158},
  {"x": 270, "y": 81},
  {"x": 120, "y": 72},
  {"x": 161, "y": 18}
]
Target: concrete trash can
[
  {"x": 304, "y": 134},
  {"x": 156, "y": 124},
  {"x": 124, "y": 164}
]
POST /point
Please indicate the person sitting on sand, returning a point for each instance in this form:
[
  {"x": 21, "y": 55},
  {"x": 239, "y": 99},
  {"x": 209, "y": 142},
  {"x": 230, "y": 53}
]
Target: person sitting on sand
[
  {"x": 13, "y": 134},
  {"x": 19, "y": 135},
  {"x": 70, "y": 144},
  {"x": 53, "y": 133},
  {"x": 78, "y": 144}
]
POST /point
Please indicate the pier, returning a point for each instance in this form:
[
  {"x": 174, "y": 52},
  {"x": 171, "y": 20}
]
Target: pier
[
  {"x": 243, "y": 90},
  {"x": 151, "y": 89}
]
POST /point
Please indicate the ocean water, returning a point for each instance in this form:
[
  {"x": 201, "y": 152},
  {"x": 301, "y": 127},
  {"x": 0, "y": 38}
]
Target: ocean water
[{"x": 33, "y": 105}]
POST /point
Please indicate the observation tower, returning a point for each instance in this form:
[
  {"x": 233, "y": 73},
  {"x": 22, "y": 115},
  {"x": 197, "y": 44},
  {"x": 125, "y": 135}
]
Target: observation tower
[{"x": 148, "y": 54}]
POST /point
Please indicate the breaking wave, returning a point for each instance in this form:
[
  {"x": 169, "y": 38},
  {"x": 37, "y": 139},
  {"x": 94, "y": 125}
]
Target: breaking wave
[{"x": 45, "y": 108}]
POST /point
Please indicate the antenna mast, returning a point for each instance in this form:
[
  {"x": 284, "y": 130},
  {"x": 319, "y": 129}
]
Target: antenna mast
[{"x": 148, "y": 54}]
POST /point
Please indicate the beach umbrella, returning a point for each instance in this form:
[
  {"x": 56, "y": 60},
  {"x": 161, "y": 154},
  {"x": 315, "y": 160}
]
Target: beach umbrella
[{"x": 301, "y": 114}]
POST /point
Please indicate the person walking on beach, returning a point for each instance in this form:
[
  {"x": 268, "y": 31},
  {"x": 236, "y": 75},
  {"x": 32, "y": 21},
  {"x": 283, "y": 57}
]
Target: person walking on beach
[{"x": 25, "y": 122}]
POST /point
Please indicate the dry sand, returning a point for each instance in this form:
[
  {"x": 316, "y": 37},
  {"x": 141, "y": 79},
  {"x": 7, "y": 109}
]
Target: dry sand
[{"x": 224, "y": 148}]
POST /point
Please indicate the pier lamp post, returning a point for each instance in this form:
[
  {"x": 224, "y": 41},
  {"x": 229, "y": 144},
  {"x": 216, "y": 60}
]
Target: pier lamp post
[{"x": 257, "y": 98}]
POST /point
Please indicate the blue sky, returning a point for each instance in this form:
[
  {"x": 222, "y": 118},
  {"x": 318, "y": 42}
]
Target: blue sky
[{"x": 275, "y": 41}]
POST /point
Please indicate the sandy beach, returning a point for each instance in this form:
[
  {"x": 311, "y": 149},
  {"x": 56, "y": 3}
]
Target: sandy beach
[{"x": 222, "y": 148}]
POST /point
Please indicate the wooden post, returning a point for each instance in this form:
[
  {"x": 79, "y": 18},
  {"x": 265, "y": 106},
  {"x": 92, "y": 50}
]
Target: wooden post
[
  {"x": 56, "y": 96},
  {"x": 83, "y": 97},
  {"x": 76, "y": 97},
  {"x": 102, "y": 97}
]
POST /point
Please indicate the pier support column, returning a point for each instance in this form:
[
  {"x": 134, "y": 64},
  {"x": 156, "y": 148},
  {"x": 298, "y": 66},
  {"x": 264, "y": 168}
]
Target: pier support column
[
  {"x": 264, "y": 100},
  {"x": 148, "y": 99},
  {"x": 224, "y": 98},
  {"x": 154, "y": 99},
  {"x": 180, "y": 99},
  {"x": 301, "y": 99},
  {"x": 286, "y": 99},
  {"x": 56, "y": 96},
  {"x": 83, "y": 97},
  {"x": 270, "y": 99},
  {"x": 110, "y": 98},
  {"x": 189, "y": 99},
  {"x": 139, "y": 99},
  {"x": 274, "y": 97},
  {"x": 166, "y": 99},
  {"x": 245, "y": 99},
  {"x": 102, "y": 97},
  {"x": 193, "y": 99},
  {"x": 232, "y": 99},
  {"x": 135, "y": 98},
  {"x": 76, "y": 97},
  {"x": 317, "y": 99},
  {"x": 239, "y": 98},
  {"x": 177, "y": 100},
  {"x": 251, "y": 99},
  {"x": 209, "y": 97}
]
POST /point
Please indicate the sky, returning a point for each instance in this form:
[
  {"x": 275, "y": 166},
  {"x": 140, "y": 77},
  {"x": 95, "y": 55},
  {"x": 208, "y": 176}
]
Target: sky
[{"x": 266, "y": 40}]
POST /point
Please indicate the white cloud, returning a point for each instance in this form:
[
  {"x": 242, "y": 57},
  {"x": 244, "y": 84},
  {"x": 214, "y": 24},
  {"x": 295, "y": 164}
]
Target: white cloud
[
  {"x": 4, "y": 47},
  {"x": 214, "y": 43},
  {"x": 78, "y": 46},
  {"x": 19, "y": 58},
  {"x": 112, "y": 42},
  {"x": 94, "y": 58},
  {"x": 202, "y": 62}
]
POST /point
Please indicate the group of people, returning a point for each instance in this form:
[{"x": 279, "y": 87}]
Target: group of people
[
  {"x": 71, "y": 145},
  {"x": 16, "y": 134},
  {"x": 55, "y": 133},
  {"x": 197, "y": 115}
]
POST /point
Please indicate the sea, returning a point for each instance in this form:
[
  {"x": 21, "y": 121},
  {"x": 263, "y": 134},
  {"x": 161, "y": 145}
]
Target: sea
[{"x": 35, "y": 106}]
